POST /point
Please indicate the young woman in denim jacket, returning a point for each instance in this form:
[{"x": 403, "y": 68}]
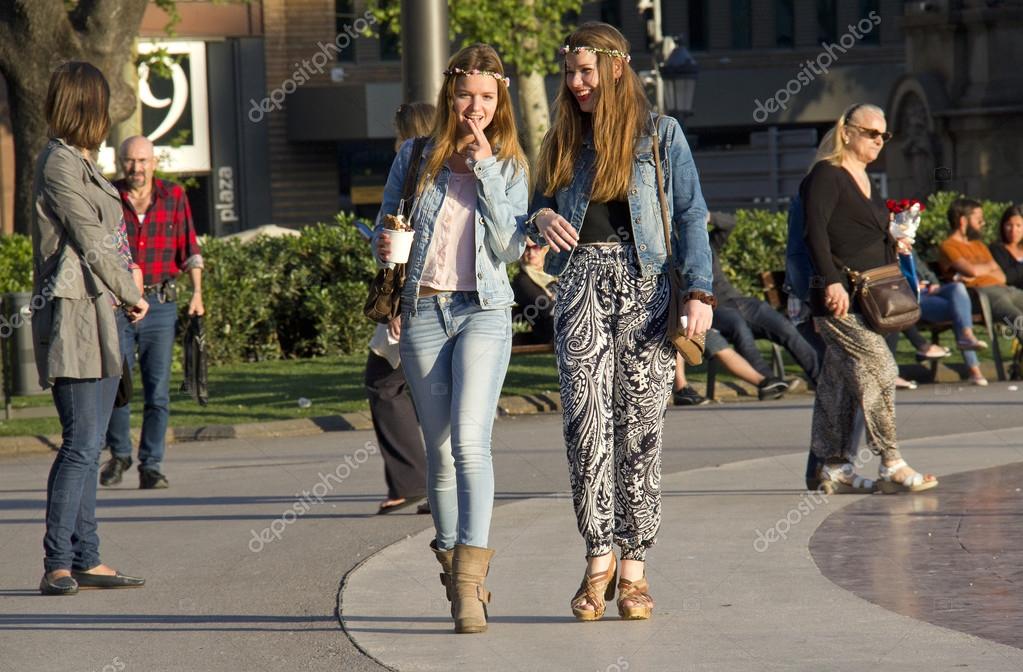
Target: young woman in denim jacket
[
  {"x": 596, "y": 204},
  {"x": 456, "y": 307}
]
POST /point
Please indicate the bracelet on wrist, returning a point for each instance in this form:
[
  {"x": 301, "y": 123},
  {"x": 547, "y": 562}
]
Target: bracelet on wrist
[
  {"x": 702, "y": 297},
  {"x": 532, "y": 218}
]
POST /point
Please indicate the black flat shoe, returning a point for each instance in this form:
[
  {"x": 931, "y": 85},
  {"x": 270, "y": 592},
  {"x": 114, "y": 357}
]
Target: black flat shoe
[
  {"x": 150, "y": 479},
  {"x": 65, "y": 585},
  {"x": 86, "y": 580},
  {"x": 113, "y": 471}
]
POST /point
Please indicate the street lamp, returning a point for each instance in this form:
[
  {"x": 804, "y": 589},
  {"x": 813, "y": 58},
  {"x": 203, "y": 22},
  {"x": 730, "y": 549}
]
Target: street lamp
[{"x": 678, "y": 73}]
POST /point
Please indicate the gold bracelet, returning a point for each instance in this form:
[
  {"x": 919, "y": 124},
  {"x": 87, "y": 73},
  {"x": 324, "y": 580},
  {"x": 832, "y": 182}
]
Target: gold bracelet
[{"x": 532, "y": 218}]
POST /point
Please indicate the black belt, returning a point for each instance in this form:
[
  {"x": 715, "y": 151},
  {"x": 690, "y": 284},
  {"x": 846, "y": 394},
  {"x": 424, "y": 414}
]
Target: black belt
[{"x": 165, "y": 291}]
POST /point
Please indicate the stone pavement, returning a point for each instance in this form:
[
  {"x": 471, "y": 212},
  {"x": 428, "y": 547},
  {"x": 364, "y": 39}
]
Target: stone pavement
[
  {"x": 245, "y": 554},
  {"x": 735, "y": 586}
]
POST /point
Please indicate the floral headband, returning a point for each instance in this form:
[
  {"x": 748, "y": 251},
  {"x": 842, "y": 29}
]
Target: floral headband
[
  {"x": 614, "y": 53},
  {"x": 496, "y": 75}
]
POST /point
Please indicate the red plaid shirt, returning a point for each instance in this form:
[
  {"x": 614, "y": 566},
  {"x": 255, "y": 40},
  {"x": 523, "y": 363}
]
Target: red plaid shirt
[{"x": 165, "y": 244}]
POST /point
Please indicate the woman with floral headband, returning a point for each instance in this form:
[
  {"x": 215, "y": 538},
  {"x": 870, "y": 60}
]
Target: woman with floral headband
[
  {"x": 456, "y": 307},
  {"x": 597, "y": 205}
]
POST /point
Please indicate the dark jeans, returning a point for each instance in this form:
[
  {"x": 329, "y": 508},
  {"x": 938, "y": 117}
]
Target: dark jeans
[
  {"x": 747, "y": 319},
  {"x": 71, "y": 541},
  {"x": 153, "y": 337},
  {"x": 397, "y": 429}
]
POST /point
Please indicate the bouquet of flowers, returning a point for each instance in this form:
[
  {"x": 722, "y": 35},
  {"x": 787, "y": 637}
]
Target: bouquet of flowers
[{"x": 905, "y": 218}]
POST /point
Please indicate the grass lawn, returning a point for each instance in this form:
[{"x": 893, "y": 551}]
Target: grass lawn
[{"x": 266, "y": 391}]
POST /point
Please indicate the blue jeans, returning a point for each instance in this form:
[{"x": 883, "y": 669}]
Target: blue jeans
[
  {"x": 71, "y": 541},
  {"x": 154, "y": 339},
  {"x": 455, "y": 356},
  {"x": 950, "y": 303},
  {"x": 748, "y": 319}
]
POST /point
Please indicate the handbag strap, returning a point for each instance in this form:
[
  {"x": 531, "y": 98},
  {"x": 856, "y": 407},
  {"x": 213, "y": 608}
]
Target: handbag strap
[
  {"x": 412, "y": 173},
  {"x": 660, "y": 194}
]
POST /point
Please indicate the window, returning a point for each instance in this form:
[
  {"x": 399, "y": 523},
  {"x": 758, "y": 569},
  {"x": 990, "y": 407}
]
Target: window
[
  {"x": 827, "y": 21},
  {"x": 866, "y": 7},
  {"x": 742, "y": 24},
  {"x": 611, "y": 12},
  {"x": 344, "y": 17},
  {"x": 698, "y": 25},
  {"x": 390, "y": 44},
  {"x": 784, "y": 23}
]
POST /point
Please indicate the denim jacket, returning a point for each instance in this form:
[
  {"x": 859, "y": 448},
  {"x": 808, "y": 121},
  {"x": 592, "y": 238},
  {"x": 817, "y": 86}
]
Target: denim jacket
[
  {"x": 688, "y": 211},
  {"x": 501, "y": 203}
]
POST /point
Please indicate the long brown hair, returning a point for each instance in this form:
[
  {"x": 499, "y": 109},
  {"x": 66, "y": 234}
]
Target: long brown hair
[
  {"x": 77, "y": 105},
  {"x": 501, "y": 132},
  {"x": 1010, "y": 212},
  {"x": 619, "y": 116},
  {"x": 412, "y": 120}
]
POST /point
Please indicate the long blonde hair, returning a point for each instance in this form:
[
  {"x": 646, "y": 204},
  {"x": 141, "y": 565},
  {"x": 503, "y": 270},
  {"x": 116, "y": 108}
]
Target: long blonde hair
[
  {"x": 619, "y": 117},
  {"x": 832, "y": 149},
  {"x": 501, "y": 132}
]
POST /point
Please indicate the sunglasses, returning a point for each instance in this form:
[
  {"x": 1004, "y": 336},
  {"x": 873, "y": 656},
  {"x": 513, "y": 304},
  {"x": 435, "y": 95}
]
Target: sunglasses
[{"x": 872, "y": 133}]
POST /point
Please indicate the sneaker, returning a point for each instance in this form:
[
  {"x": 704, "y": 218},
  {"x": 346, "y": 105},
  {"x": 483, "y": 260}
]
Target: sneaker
[
  {"x": 688, "y": 396},
  {"x": 113, "y": 471},
  {"x": 151, "y": 479},
  {"x": 771, "y": 388}
]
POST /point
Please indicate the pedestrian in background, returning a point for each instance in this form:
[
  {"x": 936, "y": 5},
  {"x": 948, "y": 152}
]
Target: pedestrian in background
[
  {"x": 390, "y": 404},
  {"x": 847, "y": 228},
  {"x": 162, "y": 239}
]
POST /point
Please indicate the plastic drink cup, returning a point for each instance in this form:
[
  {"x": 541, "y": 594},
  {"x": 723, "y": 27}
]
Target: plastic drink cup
[{"x": 401, "y": 245}]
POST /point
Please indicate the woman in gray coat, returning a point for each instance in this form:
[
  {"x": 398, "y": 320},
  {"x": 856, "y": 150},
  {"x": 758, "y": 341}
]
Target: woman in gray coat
[{"x": 81, "y": 273}]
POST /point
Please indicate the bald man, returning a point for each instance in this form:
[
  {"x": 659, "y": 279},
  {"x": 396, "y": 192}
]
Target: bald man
[{"x": 163, "y": 244}]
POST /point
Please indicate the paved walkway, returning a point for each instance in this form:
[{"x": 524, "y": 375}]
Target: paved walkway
[
  {"x": 219, "y": 598},
  {"x": 735, "y": 586}
]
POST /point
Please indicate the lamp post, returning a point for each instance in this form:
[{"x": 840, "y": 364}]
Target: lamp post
[
  {"x": 673, "y": 77},
  {"x": 678, "y": 74}
]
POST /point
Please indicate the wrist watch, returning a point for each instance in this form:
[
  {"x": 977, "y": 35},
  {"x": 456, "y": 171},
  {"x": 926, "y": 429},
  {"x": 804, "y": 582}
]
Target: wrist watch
[{"x": 703, "y": 297}]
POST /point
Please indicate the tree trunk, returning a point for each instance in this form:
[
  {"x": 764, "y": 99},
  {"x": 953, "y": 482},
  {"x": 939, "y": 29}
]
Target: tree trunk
[
  {"x": 535, "y": 112},
  {"x": 28, "y": 124},
  {"x": 132, "y": 124},
  {"x": 39, "y": 35}
]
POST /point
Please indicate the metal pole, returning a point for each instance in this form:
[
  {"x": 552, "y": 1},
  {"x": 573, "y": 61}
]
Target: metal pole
[
  {"x": 425, "y": 48},
  {"x": 651, "y": 11}
]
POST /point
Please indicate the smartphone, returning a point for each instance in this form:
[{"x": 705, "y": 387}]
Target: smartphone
[{"x": 366, "y": 232}]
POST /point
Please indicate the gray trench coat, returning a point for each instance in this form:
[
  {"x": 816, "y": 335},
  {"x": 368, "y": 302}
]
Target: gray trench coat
[{"x": 78, "y": 270}]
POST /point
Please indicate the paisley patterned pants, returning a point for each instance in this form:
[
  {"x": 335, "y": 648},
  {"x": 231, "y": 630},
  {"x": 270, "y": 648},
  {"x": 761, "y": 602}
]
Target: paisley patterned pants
[
  {"x": 615, "y": 368},
  {"x": 858, "y": 373}
]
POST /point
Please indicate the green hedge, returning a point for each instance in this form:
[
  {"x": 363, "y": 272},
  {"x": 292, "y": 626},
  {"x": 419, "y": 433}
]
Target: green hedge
[
  {"x": 301, "y": 296},
  {"x": 15, "y": 264},
  {"x": 293, "y": 296}
]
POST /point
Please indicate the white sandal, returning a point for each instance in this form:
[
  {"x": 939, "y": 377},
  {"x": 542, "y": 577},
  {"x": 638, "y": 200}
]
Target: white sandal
[
  {"x": 843, "y": 480},
  {"x": 915, "y": 483}
]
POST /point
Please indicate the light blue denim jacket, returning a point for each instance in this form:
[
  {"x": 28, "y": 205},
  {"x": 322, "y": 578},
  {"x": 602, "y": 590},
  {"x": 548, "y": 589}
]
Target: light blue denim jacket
[
  {"x": 502, "y": 195},
  {"x": 687, "y": 208}
]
